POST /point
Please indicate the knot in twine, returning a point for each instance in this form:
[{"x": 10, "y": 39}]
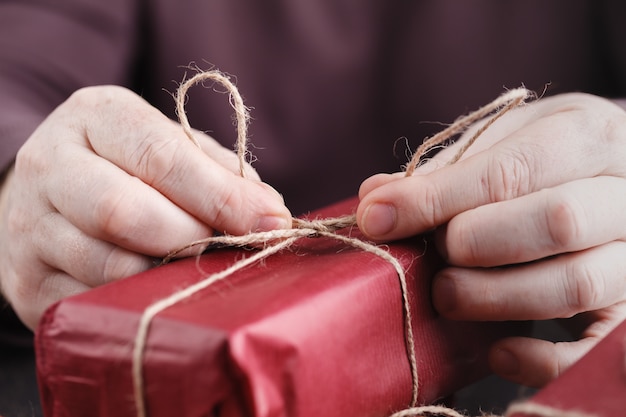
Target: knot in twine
[{"x": 277, "y": 240}]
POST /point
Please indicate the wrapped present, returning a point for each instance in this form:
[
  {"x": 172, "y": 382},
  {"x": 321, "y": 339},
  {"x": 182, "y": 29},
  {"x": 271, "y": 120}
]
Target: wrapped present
[
  {"x": 315, "y": 330},
  {"x": 595, "y": 386}
]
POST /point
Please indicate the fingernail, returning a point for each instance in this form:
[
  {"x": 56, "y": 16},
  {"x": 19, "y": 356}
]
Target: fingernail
[
  {"x": 444, "y": 295},
  {"x": 379, "y": 219},
  {"x": 267, "y": 223},
  {"x": 505, "y": 363}
]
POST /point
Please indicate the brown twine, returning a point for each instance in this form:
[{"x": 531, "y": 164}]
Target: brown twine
[
  {"x": 528, "y": 408},
  {"x": 236, "y": 101},
  {"x": 278, "y": 240},
  {"x": 501, "y": 105},
  {"x": 439, "y": 410}
]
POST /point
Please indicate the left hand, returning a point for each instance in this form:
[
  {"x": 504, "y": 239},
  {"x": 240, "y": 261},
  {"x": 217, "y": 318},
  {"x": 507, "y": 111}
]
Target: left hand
[{"x": 543, "y": 194}]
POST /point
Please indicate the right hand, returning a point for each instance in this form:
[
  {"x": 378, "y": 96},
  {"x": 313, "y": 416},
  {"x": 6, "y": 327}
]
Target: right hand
[
  {"x": 106, "y": 184},
  {"x": 531, "y": 222}
]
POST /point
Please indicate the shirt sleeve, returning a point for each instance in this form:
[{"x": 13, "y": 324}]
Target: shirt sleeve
[{"x": 50, "y": 48}]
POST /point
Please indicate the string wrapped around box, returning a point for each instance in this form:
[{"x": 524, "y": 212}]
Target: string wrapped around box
[{"x": 275, "y": 241}]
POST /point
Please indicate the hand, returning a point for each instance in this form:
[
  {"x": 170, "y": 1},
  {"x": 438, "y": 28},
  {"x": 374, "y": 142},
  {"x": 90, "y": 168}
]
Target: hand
[
  {"x": 532, "y": 221},
  {"x": 105, "y": 184}
]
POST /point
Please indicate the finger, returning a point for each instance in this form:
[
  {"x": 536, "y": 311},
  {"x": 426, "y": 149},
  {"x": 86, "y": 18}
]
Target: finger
[
  {"x": 376, "y": 181},
  {"x": 557, "y": 287},
  {"x": 534, "y": 362},
  {"x": 147, "y": 145},
  {"x": 33, "y": 287},
  {"x": 56, "y": 286},
  {"x": 108, "y": 204},
  {"x": 596, "y": 323},
  {"x": 91, "y": 261},
  {"x": 223, "y": 156},
  {"x": 567, "y": 218},
  {"x": 534, "y": 157}
]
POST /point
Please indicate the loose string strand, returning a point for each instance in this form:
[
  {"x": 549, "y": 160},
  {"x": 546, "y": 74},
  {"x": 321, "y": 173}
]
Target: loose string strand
[
  {"x": 515, "y": 102},
  {"x": 301, "y": 228},
  {"x": 500, "y": 105}
]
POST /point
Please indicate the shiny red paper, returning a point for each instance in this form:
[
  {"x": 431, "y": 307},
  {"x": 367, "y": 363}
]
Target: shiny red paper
[{"x": 317, "y": 330}]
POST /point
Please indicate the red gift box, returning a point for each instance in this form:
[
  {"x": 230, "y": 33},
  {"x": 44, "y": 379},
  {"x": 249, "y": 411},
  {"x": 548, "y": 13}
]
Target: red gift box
[{"x": 316, "y": 330}]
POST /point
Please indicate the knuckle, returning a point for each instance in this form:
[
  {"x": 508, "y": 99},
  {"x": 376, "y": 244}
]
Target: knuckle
[
  {"x": 30, "y": 161},
  {"x": 430, "y": 205},
  {"x": 614, "y": 138},
  {"x": 585, "y": 287},
  {"x": 91, "y": 97},
  {"x": 491, "y": 300},
  {"x": 464, "y": 245},
  {"x": 88, "y": 105},
  {"x": 120, "y": 264},
  {"x": 113, "y": 212},
  {"x": 508, "y": 176},
  {"x": 564, "y": 221},
  {"x": 83, "y": 97},
  {"x": 615, "y": 128},
  {"x": 18, "y": 223},
  {"x": 24, "y": 293},
  {"x": 97, "y": 95},
  {"x": 226, "y": 203},
  {"x": 472, "y": 246},
  {"x": 154, "y": 158}
]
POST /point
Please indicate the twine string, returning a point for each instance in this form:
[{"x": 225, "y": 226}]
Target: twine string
[
  {"x": 500, "y": 106},
  {"x": 242, "y": 115},
  {"x": 528, "y": 408},
  {"x": 278, "y": 240}
]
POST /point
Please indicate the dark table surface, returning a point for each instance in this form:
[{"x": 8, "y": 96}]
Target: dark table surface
[{"x": 19, "y": 396}]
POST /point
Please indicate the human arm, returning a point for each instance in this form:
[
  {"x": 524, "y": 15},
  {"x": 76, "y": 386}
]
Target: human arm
[{"x": 531, "y": 222}]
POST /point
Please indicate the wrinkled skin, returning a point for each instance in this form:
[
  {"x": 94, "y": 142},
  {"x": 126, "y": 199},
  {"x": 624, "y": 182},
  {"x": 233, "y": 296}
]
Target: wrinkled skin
[
  {"x": 106, "y": 184},
  {"x": 532, "y": 221}
]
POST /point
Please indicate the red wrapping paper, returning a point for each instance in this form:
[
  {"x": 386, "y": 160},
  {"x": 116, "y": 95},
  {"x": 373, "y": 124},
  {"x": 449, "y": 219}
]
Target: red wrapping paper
[
  {"x": 594, "y": 386},
  {"x": 314, "y": 331}
]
